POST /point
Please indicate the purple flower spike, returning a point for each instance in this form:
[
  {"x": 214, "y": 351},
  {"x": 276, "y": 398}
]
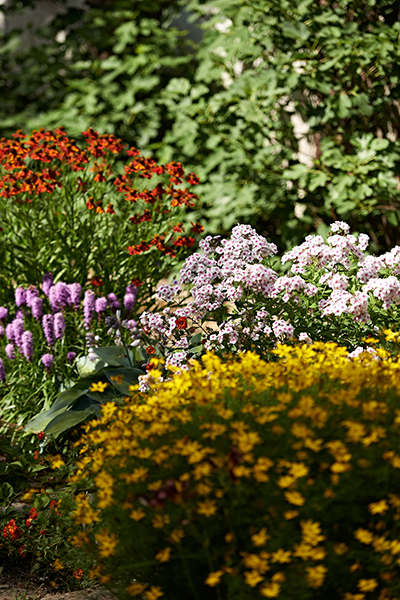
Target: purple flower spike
[
  {"x": 19, "y": 314},
  {"x": 75, "y": 291},
  {"x": 101, "y": 305},
  {"x": 113, "y": 301},
  {"x": 47, "y": 360},
  {"x": 27, "y": 345},
  {"x": 71, "y": 357},
  {"x": 88, "y": 307},
  {"x": 10, "y": 332},
  {"x": 129, "y": 302},
  {"x": 37, "y": 308},
  {"x": 62, "y": 294},
  {"x": 1, "y": 330},
  {"x": 2, "y": 371},
  {"x": 59, "y": 325},
  {"x": 47, "y": 283},
  {"x": 48, "y": 328},
  {"x": 19, "y": 328},
  {"x": 10, "y": 351},
  {"x": 20, "y": 296},
  {"x": 132, "y": 289},
  {"x": 31, "y": 294},
  {"x": 3, "y": 313}
]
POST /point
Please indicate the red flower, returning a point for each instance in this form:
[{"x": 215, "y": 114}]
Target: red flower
[
  {"x": 197, "y": 228},
  {"x": 137, "y": 283},
  {"x": 150, "y": 350},
  {"x": 96, "y": 281},
  {"x": 181, "y": 323},
  {"x": 11, "y": 529},
  {"x": 21, "y": 551},
  {"x": 42, "y": 532},
  {"x": 41, "y": 435},
  {"x": 78, "y": 574},
  {"x": 192, "y": 178},
  {"x": 33, "y": 513},
  {"x": 28, "y": 522},
  {"x": 36, "y": 455}
]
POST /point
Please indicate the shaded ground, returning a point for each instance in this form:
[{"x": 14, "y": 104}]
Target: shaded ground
[{"x": 16, "y": 584}]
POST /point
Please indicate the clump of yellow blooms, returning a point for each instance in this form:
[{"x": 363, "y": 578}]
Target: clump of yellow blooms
[{"x": 241, "y": 478}]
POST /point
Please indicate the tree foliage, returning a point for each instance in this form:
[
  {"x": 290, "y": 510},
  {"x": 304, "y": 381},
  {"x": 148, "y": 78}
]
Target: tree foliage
[{"x": 226, "y": 106}]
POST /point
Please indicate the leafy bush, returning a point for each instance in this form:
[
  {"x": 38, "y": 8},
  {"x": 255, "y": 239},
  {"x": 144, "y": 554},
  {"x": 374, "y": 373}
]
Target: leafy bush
[
  {"x": 227, "y": 108},
  {"x": 89, "y": 213},
  {"x": 245, "y": 478}
]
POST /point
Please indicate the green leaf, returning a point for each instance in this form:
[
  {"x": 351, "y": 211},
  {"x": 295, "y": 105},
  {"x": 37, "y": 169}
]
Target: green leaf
[
  {"x": 67, "y": 420},
  {"x": 113, "y": 355},
  {"x": 86, "y": 366},
  {"x": 296, "y": 32},
  {"x": 344, "y": 104},
  {"x": 61, "y": 404},
  {"x": 317, "y": 180}
]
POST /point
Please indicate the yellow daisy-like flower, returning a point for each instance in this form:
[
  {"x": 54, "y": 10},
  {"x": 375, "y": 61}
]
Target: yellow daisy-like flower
[
  {"x": 164, "y": 555},
  {"x": 295, "y": 498},
  {"x": 260, "y": 538},
  {"x": 270, "y": 590},
  {"x": 378, "y": 508},
  {"x": 367, "y": 585},
  {"x": 98, "y": 387},
  {"x": 214, "y": 579},
  {"x": 134, "y": 589},
  {"x": 252, "y": 578},
  {"x": 58, "y": 565},
  {"x": 207, "y": 508},
  {"x": 153, "y": 593},
  {"x": 363, "y": 535}
]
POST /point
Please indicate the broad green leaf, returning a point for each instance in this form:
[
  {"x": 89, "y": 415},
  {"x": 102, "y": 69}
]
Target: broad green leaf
[
  {"x": 66, "y": 420},
  {"x": 121, "y": 379},
  {"x": 86, "y": 366},
  {"x": 114, "y": 356},
  {"x": 344, "y": 104},
  {"x": 61, "y": 404}
]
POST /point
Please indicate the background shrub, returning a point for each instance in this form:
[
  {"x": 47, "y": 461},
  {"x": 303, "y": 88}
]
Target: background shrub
[
  {"x": 247, "y": 478},
  {"x": 226, "y": 105}
]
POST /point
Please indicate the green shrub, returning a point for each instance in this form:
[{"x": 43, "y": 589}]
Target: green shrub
[{"x": 245, "y": 478}]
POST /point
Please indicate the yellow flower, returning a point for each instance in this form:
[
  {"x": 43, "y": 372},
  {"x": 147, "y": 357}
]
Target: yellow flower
[
  {"x": 58, "y": 565},
  {"x": 134, "y": 589},
  {"x": 281, "y": 556},
  {"x": 298, "y": 470},
  {"x": 378, "y": 508},
  {"x": 98, "y": 387},
  {"x": 349, "y": 596},
  {"x": 107, "y": 542},
  {"x": 56, "y": 461},
  {"x": 153, "y": 593},
  {"x": 260, "y": 538},
  {"x": 367, "y": 585},
  {"x": 252, "y": 578},
  {"x": 137, "y": 513},
  {"x": 160, "y": 520},
  {"x": 341, "y": 548},
  {"x": 214, "y": 579},
  {"x": 176, "y": 536},
  {"x": 290, "y": 514},
  {"x": 295, "y": 498},
  {"x": 311, "y": 532},
  {"x": 364, "y": 536},
  {"x": 316, "y": 575},
  {"x": 207, "y": 508},
  {"x": 164, "y": 555},
  {"x": 270, "y": 590}
]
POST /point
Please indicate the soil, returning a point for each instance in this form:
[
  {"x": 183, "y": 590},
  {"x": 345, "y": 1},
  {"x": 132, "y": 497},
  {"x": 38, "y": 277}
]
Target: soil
[{"x": 16, "y": 584}]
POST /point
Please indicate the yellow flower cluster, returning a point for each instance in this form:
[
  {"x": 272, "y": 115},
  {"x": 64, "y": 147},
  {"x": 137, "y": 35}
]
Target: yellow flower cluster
[{"x": 252, "y": 466}]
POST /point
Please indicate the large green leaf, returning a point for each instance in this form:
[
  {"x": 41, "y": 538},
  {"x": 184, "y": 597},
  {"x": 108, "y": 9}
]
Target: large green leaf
[
  {"x": 114, "y": 356},
  {"x": 67, "y": 420},
  {"x": 61, "y": 404}
]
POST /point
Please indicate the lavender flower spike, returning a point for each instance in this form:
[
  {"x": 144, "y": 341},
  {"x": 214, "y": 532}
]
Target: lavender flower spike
[
  {"x": 47, "y": 283},
  {"x": 113, "y": 301},
  {"x": 31, "y": 294},
  {"x": 2, "y": 371},
  {"x": 37, "y": 308},
  {"x": 18, "y": 328},
  {"x": 1, "y": 330},
  {"x": 88, "y": 307},
  {"x": 48, "y": 329},
  {"x": 10, "y": 351},
  {"x": 71, "y": 357},
  {"x": 27, "y": 345},
  {"x": 75, "y": 291},
  {"x": 10, "y": 332},
  {"x": 47, "y": 360},
  {"x": 3, "y": 313},
  {"x": 59, "y": 325},
  {"x": 101, "y": 305},
  {"x": 20, "y": 296},
  {"x": 129, "y": 302}
]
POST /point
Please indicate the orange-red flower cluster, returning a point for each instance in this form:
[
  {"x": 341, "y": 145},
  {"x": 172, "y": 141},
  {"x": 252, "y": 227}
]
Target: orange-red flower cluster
[{"x": 12, "y": 530}]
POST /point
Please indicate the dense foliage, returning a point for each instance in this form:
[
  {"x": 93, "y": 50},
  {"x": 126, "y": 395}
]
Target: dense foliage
[
  {"x": 226, "y": 105},
  {"x": 243, "y": 478}
]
